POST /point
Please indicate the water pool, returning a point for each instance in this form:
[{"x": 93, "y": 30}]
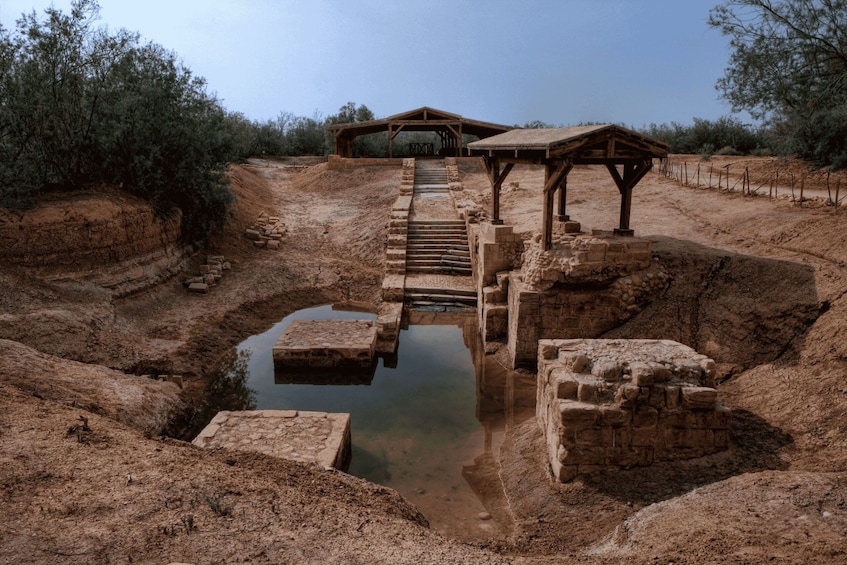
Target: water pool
[{"x": 414, "y": 427}]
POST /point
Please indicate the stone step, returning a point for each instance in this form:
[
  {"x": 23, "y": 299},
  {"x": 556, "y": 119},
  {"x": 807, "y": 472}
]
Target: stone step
[
  {"x": 467, "y": 293},
  {"x": 430, "y": 252},
  {"x": 439, "y": 221},
  {"x": 436, "y": 227},
  {"x": 413, "y": 262},
  {"x": 419, "y": 242},
  {"x": 435, "y": 235},
  {"x": 440, "y": 298},
  {"x": 440, "y": 270}
]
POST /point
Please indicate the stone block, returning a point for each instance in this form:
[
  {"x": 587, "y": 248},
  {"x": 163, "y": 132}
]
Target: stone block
[
  {"x": 642, "y": 374},
  {"x": 656, "y": 397},
  {"x": 567, "y": 389},
  {"x": 588, "y": 391},
  {"x": 645, "y": 437},
  {"x": 672, "y": 397},
  {"x": 614, "y": 417},
  {"x": 200, "y": 288},
  {"x": 722, "y": 418},
  {"x": 607, "y": 370},
  {"x": 580, "y": 363},
  {"x": 645, "y": 416},
  {"x": 627, "y": 395},
  {"x": 547, "y": 350},
  {"x": 595, "y": 437},
  {"x": 251, "y": 234},
  {"x": 573, "y": 413},
  {"x": 699, "y": 398}
]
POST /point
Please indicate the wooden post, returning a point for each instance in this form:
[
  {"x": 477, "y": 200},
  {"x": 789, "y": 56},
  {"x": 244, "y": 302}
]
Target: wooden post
[
  {"x": 632, "y": 174},
  {"x": 554, "y": 175},
  {"x": 496, "y": 177},
  {"x": 563, "y": 201},
  {"x": 698, "y": 175},
  {"x": 802, "y": 187},
  {"x": 710, "y": 175},
  {"x": 828, "y": 189},
  {"x": 793, "y": 198},
  {"x": 837, "y": 190}
]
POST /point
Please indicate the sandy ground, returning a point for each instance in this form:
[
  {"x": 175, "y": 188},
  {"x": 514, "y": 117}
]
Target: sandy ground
[{"x": 758, "y": 284}]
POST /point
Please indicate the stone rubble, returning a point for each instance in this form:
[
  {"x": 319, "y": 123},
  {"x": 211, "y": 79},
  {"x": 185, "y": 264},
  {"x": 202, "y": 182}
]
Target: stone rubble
[
  {"x": 209, "y": 274},
  {"x": 267, "y": 232}
]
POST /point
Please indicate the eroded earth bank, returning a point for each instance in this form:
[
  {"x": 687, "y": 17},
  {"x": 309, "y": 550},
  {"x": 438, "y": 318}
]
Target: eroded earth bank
[{"x": 91, "y": 299}]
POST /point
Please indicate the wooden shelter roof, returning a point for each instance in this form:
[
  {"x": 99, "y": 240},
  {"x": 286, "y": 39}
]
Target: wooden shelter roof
[
  {"x": 559, "y": 149},
  {"x": 450, "y": 126},
  {"x": 583, "y": 144},
  {"x": 422, "y": 119}
]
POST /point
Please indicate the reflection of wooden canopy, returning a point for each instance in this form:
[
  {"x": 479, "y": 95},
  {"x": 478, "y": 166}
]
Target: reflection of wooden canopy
[
  {"x": 449, "y": 127},
  {"x": 559, "y": 149}
]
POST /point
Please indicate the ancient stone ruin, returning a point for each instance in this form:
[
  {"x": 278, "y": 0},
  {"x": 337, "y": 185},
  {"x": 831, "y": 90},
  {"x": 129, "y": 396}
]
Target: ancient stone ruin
[
  {"x": 585, "y": 285},
  {"x": 616, "y": 404}
]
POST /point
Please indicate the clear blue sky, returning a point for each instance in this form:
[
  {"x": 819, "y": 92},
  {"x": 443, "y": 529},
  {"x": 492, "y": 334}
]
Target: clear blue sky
[{"x": 559, "y": 61}]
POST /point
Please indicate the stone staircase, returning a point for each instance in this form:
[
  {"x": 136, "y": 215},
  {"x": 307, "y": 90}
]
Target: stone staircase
[
  {"x": 437, "y": 257},
  {"x": 430, "y": 177},
  {"x": 438, "y": 247}
]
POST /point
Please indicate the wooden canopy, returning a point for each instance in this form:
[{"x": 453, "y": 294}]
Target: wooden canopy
[
  {"x": 559, "y": 149},
  {"x": 450, "y": 127}
]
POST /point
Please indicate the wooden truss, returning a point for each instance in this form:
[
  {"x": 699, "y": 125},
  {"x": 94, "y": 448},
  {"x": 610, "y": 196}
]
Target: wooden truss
[{"x": 626, "y": 154}]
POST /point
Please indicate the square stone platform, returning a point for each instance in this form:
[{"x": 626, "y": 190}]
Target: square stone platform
[
  {"x": 326, "y": 344},
  {"x": 308, "y": 437}
]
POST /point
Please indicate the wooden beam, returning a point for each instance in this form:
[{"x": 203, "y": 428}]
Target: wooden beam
[
  {"x": 632, "y": 174},
  {"x": 555, "y": 174},
  {"x": 496, "y": 177}
]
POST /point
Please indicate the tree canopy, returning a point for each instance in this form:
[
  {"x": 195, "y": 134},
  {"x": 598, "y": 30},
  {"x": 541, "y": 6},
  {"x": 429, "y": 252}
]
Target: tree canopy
[
  {"x": 79, "y": 106},
  {"x": 789, "y": 67}
]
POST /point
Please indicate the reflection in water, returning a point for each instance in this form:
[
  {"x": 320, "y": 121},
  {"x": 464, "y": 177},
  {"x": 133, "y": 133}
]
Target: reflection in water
[
  {"x": 226, "y": 389},
  {"x": 420, "y": 427}
]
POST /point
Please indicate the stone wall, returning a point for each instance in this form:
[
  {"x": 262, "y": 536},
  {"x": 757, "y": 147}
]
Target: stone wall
[
  {"x": 582, "y": 287},
  {"x": 616, "y": 404},
  {"x": 498, "y": 251}
]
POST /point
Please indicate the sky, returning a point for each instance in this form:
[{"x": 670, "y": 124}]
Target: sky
[{"x": 563, "y": 62}]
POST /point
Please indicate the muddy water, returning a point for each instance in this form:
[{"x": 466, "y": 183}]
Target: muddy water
[{"x": 429, "y": 427}]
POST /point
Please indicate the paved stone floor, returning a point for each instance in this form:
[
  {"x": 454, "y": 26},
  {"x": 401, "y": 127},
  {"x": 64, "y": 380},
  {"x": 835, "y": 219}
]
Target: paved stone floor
[{"x": 309, "y": 437}]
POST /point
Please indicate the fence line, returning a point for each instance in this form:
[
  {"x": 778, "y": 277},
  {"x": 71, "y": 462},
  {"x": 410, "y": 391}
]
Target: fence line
[{"x": 678, "y": 170}]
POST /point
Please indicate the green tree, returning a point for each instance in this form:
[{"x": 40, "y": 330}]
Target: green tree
[
  {"x": 79, "y": 105},
  {"x": 789, "y": 67}
]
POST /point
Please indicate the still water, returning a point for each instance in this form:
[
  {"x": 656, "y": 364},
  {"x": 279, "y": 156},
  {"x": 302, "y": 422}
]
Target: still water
[{"x": 414, "y": 427}]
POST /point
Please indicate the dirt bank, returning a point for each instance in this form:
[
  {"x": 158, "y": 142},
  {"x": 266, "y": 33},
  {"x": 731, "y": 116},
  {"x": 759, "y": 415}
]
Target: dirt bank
[{"x": 758, "y": 284}]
